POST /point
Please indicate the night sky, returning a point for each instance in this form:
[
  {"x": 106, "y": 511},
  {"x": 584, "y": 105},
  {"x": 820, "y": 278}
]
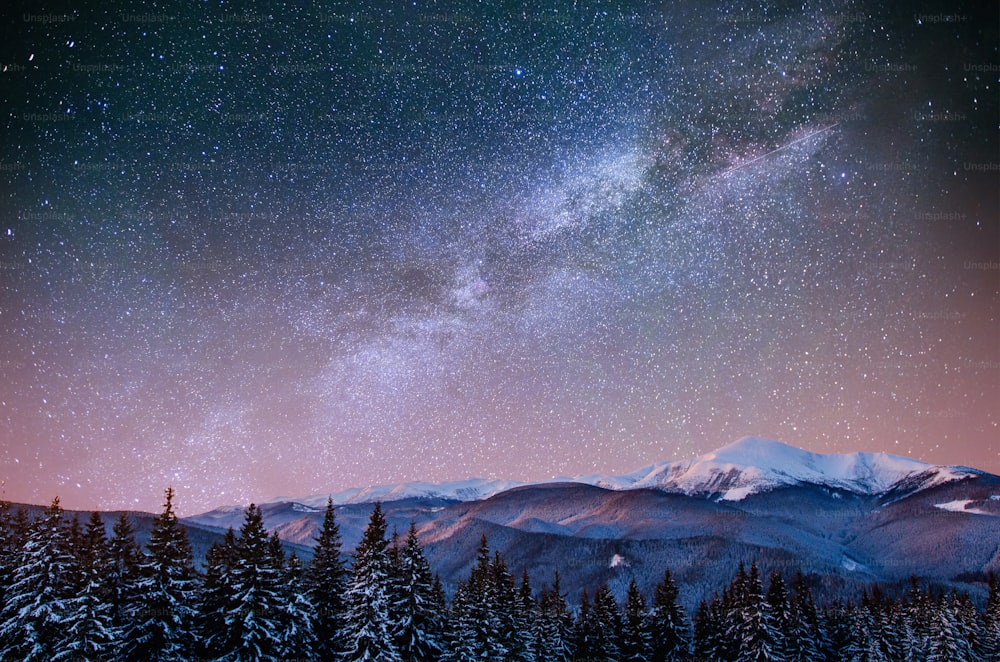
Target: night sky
[{"x": 253, "y": 250}]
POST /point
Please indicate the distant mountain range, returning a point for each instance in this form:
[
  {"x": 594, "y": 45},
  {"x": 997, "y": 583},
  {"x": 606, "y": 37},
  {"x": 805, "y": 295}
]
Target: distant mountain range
[
  {"x": 748, "y": 466},
  {"x": 845, "y": 520}
]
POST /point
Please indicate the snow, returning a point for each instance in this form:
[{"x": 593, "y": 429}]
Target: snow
[
  {"x": 961, "y": 506},
  {"x": 736, "y": 471}
]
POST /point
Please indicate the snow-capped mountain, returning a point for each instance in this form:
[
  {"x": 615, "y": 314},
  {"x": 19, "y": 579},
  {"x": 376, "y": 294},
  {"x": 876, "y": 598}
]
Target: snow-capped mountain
[
  {"x": 472, "y": 489},
  {"x": 752, "y": 465},
  {"x": 748, "y": 466}
]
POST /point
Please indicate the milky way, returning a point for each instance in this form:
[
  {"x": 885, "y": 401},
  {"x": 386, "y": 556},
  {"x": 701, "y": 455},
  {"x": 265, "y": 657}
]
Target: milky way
[{"x": 276, "y": 249}]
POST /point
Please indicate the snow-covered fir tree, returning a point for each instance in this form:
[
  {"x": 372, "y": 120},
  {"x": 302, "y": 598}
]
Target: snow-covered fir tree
[
  {"x": 417, "y": 613},
  {"x": 607, "y": 625},
  {"x": 369, "y": 634},
  {"x": 326, "y": 581},
  {"x": 945, "y": 638},
  {"x": 253, "y": 616},
  {"x": 484, "y": 603},
  {"x": 804, "y": 640},
  {"x": 670, "y": 632},
  {"x": 124, "y": 556},
  {"x": 31, "y": 623},
  {"x": 752, "y": 622},
  {"x": 553, "y": 627},
  {"x": 10, "y": 546},
  {"x": 162, "y": 612},
  {"x": 781, "y": 614},
  {"x": 217, "y": 598},
  {"x": 461, "y": 632},
  {"x": 636, "y": 633},
  {"x": 990, "y": 620},
  {"x": 293, "y": 611},
  {"x": 89, "y": 624},
  {"x": 503, "y": 605}
]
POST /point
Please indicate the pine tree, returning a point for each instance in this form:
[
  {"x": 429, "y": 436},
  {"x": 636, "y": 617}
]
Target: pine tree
[
  {"x": 671, "y": 635},
  {"x": 461, "y": 632},
  {"x": 990, "y": 621},
  {"x": 10, "y": 546},
  {"x": 803, "y": 642},
  {"x": 216, "y": 599},
  {"x": 553, "y": 628},
  {"x": 419, "y": 631},
  {"x": 124, "y": 556},
  {"x": 756, "y": 626},
  {"x": 607, "y": 625},
  {"x": 43, "y": 583},
  {"x": 840, "y": 636},
  {"x": 945, "y": 640},
  {"x": 525, "y": 616},
  {"x": 585, "y": 630},
  {"x": 920, "y": 621},
  {"x": 369, "y": 634},
  {"x": 162, "y": 613},
  {"x": 88, "y": 625},
  {"x": 326, "y": 579},
  {"x": 636, "y": 634},
  {"x": 503, "y": 608},
  {"x": 781, "y": 614},
  {"x": 484, "y": 594},
  {"x": 704, "y": 633},
  {"x": 254, "y": 607},
  {"x": 297, "y": 638}
]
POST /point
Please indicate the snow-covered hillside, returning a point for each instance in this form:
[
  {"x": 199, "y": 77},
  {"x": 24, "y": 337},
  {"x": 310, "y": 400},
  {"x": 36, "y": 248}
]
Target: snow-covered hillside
[
  {"x": 748, "y": 466},
  {"x": 753, "y": 465}
]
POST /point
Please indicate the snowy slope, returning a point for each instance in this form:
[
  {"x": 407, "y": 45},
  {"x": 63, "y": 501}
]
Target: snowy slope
[
  {"x": 472, "y": 489},
  {"x": 753, "y": 465},
  {"x": 745, "y": 467}
]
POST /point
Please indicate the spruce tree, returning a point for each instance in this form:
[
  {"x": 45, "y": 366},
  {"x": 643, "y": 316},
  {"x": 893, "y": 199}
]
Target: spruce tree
[
  {"x": 254, "y": 608},
  {"x": 216, "y": 598},
  {"x": 945, "y": 638},
  {"x": 759, "y": 636},
  {"x": 671, "y": 636},
  {"x": 704, "y": 633},
  {"x": 502, "y": 605},
  {"x": 584, "y": 629},
  {"x": 418, "y": 636},
  {"x": 990, "y": 621},
  {"x": 804, "y": 642},
  {"x": 326, "y": 579},
  {"x": 525, "y": 617},
  {"x": 162, "y": 612},
  {"x": 368, "y": 634},
  {"x": 88, "y": 625},
  {"x": 781, "y": 614},
  {"x": 483, "y": 597},
  {"x": 10, "y": 546},
  {"x": 461, "y": 631},
  {"x": 42, "y": 585},
  {"x": 607, "y": 625},
  {"x": 553, "y": 629},
  {"x": 124, "y": 556},
  {"x": 840, "y": 636},
  {"x": 298, "y": 614},
  {"x": 636, "y": 633}
]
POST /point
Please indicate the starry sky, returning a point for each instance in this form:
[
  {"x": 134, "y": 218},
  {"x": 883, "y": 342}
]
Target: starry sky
[{"x": 285, "y": 248}]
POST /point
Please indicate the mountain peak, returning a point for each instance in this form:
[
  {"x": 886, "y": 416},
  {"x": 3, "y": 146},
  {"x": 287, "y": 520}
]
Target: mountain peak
[
  {"x": 744, "y": 467},
  {"x": 752, "y": 464}
]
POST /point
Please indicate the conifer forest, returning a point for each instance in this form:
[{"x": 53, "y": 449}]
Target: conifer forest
[{"x": 71, "y": 591}]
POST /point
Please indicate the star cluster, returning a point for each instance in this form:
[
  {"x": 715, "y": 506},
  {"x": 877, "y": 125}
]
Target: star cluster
[{"x": 261, "y": 249}]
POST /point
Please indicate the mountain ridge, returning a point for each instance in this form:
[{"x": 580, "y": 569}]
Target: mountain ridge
[{"x": 744, "y": 467}]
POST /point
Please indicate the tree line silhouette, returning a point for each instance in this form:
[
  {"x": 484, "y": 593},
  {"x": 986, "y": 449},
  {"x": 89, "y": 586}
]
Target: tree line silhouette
[{"x": 70, "y": 592}]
